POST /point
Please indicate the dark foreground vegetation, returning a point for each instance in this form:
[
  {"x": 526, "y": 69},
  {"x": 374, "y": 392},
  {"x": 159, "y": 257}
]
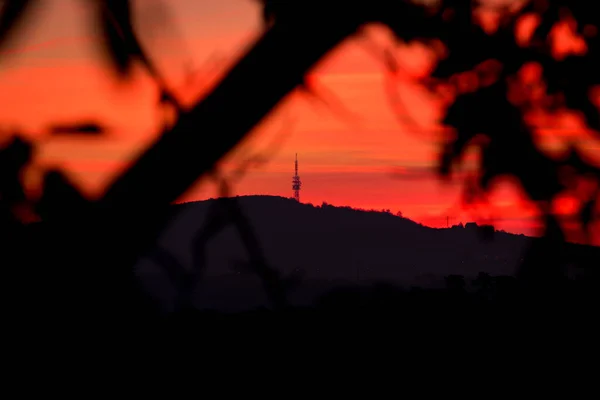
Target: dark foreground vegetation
[
  {"x": 498, "y": 313},
  {"x": 485, "y": 293}
]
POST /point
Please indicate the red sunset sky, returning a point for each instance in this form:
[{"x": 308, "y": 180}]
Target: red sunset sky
[{"x": 54, "y": 72}]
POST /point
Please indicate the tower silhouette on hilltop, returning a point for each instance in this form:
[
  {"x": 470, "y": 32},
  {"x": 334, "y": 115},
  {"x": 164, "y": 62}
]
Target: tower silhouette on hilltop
[{"x": 296, "y": 183}]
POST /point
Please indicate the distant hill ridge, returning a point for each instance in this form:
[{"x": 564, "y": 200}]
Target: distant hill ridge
[
  {"x": 284, "y": 221},
  {"x": 331, "y": 244},
  {"x": 329, "y": 241},
  {"x": 247, "y": 199}
]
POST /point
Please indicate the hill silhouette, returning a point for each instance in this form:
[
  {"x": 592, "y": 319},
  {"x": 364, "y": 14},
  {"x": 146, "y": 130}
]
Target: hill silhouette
[{"x": 328, "y": 246}]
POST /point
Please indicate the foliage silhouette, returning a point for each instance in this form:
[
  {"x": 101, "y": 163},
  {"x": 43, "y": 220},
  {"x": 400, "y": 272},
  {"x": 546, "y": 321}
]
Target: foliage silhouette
[
  {"x": 483, "y": 70},
  {"x": 84, "y": 128}
]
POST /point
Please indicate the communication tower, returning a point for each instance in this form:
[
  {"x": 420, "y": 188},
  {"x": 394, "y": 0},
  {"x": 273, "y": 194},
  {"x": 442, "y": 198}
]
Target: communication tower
[{"x": 296, "y": 183}]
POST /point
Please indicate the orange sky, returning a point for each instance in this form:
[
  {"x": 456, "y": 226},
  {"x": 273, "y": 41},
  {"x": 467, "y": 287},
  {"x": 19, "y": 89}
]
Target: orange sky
[{"x": 55, "y": 69}]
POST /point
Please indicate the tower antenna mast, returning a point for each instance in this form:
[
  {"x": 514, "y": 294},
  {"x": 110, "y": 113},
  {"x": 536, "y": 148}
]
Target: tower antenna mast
[{"x": 296, "y": 183}]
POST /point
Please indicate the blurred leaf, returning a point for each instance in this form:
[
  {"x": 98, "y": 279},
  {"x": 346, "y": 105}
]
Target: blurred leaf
[
  {"x": 586, "y": 214},
  {"x": 61, "y": 200},
  {"x": 269, "y": 11},
  {"x": 15, "y": 155},
  {"x": 86, "y": 128},
  {"x": 122, "y": 44},
  {"x": 12, "y": 15},
  {"x": 117, "y": 33},
  {"x": 13, "y": 158},
  {"x": 581, "y": 164}
]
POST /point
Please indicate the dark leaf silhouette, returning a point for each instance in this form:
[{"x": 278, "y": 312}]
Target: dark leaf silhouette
[
  {"x": 123, "y": 46},
  {"x": 587, "y": 214},
  {"x": 11, "y": 15},
  {"x": 117, "y": 33},
  {"x": 13, "y": 158},
  {"x": 61, "y": 200},
  {"x": 85, "y": 128}
]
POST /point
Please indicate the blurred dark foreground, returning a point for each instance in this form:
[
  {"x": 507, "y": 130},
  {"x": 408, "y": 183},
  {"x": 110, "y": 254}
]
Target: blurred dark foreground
[
  {"x": 357, "y": 329},
  {"x": 498, "y": 303}
]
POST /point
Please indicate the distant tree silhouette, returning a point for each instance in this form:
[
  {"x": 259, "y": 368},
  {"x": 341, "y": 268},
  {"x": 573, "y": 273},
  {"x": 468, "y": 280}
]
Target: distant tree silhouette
[
  {"x": 455, "y": 283},
  {"x": 483, "y": 283}
]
